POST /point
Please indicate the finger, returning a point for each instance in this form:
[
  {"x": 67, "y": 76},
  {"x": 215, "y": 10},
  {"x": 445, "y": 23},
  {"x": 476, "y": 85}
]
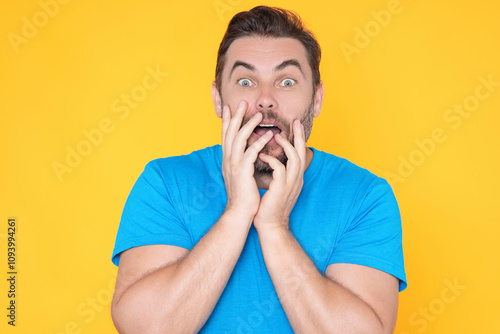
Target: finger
[
  {"x": 299, "y": 142},
  {"x": 293, "y": 164},
  {"x": 252, "y": 152},
  {"x": 235, "y": 124},
  {"x": 226, "y": 118},
  {"x": 279, "y": 170},
  {"x": 241, "y": 138}
]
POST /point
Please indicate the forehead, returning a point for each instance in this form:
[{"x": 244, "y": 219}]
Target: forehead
[{"x": 265, "y": 52}]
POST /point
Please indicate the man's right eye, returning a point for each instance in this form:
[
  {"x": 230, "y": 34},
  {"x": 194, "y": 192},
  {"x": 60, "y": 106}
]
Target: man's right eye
[{"x": 245, "y": 83}]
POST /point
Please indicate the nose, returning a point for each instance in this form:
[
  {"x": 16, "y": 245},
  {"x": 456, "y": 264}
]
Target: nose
[{"x": 266, "y": 98}]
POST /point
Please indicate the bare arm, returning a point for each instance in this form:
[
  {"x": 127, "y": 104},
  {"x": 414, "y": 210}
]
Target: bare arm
[
  {"x": 164, "y": 288},
  {"x": 351, "y": 298},
  {"x": 176, "y": 296}
]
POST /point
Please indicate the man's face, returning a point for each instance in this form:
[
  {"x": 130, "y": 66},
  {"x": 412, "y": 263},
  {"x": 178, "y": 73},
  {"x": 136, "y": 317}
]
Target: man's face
[{"x": 273, "y": 76}]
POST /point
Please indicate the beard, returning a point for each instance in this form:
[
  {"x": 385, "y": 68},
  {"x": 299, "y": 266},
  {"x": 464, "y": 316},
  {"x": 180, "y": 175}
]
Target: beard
[{"x": 261, "y": 167}]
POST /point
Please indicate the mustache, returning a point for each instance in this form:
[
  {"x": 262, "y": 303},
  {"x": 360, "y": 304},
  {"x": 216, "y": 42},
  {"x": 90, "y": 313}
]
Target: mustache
[{"x": 270, "y": 115}]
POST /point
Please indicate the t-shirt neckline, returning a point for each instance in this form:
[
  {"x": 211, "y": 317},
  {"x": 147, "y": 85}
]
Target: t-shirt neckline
[{"x": 313, "y": 168}]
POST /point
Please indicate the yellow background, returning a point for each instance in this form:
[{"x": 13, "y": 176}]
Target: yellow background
[{"x": 394, "y": 90}]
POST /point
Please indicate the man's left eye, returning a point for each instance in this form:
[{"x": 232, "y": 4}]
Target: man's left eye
[{"x": 287, "y": 83}]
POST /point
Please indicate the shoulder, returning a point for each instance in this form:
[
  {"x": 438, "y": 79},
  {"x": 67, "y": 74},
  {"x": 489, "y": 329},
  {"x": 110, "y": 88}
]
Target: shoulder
[
  {"x": 180, "y": 172},
  {"x": 191, "y": 164},
  {"x": 332, "y": 169}
]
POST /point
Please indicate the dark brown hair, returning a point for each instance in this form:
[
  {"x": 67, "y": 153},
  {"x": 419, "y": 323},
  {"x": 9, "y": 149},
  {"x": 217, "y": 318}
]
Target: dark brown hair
[{"x": 263, "y": 21}]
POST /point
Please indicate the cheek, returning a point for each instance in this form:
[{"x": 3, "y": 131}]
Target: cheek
[
  {"x": 294, "y": 105},
  {"x": 234, "y": 97}
]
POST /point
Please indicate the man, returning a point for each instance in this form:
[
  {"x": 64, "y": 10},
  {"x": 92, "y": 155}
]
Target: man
[{"x": 260, "y": 234}]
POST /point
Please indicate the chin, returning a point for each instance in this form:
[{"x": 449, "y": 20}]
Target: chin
[{"x": 262, "y": 168}]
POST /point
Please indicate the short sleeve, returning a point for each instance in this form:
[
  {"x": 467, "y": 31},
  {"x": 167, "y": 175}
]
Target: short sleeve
[
  {"x": 149, "y": 216},
  {"x": 373, "y": 236}
]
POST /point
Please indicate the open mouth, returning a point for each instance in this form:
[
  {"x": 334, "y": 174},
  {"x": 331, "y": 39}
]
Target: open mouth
[{"x": 262, "y": 128}]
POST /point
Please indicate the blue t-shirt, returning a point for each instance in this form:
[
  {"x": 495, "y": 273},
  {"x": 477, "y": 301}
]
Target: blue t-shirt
[{"x": 344, "y": 214}]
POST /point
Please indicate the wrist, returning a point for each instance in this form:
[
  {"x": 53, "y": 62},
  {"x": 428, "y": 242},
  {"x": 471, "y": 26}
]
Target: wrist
[
  {"x": 273, "y": 238},
  {"x": 272, "y": 226},
  {"x": 236, "y": 218}
]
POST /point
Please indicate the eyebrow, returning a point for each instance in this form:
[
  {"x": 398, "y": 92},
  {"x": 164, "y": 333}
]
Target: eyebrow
[
  {"x": 289, "y": 62},
  {"x": 239, "y": 63},
  {"x": 283, "y": 65}
]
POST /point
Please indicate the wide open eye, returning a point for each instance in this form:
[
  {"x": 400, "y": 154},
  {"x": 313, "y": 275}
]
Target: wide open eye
[
  {"x": 287, "y": 82},
  {"x": 245, "y": 83}
]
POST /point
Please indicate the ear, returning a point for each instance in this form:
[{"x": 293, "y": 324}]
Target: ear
[
  {"x": 216, "y": 98},
  {"x": 318, "y": 98}
]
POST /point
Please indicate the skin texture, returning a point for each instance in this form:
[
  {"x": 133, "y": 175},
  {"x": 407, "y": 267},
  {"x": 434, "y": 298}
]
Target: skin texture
[
  {"x": 267, "y": 92},
  {"x": 163, "y": 288}
]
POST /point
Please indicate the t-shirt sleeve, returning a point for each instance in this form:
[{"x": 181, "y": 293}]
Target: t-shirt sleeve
[
  {"x": 150, "y": 216},
  {"x": 373, "y": 236}
]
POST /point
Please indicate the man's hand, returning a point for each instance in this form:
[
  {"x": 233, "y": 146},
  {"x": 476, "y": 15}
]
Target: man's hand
[
  {"x": 284, "y": 189},
  {"x": 243, "y": 196}
]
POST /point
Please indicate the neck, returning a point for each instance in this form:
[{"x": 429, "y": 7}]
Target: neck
[{"x": 263, "y": 180}]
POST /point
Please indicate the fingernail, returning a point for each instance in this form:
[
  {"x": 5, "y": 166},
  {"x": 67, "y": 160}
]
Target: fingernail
[
  {"x": 278, "y": 135},
  {"x": 257, "y": 115},
  {"x": 269, "y": 132}
]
